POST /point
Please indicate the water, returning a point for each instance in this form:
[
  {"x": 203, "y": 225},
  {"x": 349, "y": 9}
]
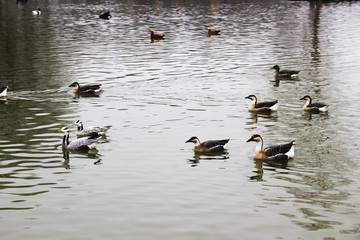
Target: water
[{"x": 150, "y": 185}]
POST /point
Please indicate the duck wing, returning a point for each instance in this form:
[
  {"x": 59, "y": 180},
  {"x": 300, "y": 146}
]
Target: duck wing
[
  {"x": 90, "y": 88},
  {"x": 214, "y": 143},
  {"x": 289, "y": 72},
  {"x": 266, "y": 104},
  {"x": 278, "y": 149},
  {"x": 83, "y": 143},
  {"x": 316, "y": 105},
  {"x": 216, "y": 149},
  {"x": 90, "y": 130}
]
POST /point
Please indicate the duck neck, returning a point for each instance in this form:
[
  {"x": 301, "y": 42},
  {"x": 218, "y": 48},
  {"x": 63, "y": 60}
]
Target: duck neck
[
  {"x": 65, "y": 142},
  {"x": 81, "y": 127},
  {"x": 259, "y": 146},
  {"x": 308, "y": 101}
]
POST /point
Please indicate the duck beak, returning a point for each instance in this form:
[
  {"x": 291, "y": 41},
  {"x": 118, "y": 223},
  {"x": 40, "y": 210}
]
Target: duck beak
[
  {"x": 189, "y": 141},
  {"x": 248, "y": 97},
  {"x": 59, "y": 130},
  {"x": 251, "y": 139},
  {"x": 302, "y": 98},
  {"x": 73, "y": 124},
  {"x": 272, "y": 68}
]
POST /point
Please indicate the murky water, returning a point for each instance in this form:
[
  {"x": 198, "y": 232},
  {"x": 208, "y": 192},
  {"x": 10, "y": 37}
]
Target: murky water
[{"x": 150, "y": 185}]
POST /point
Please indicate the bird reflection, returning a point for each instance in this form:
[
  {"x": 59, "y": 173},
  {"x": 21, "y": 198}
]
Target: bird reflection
[
  {"x": 195, "y": 161},
  {"x": 254, "y": 116},
  {"x": 308, "y": 115},
  {"x": 92, "y": 154},
  {"x": 277, "y": 80},
  {"x": 261, "y": 164}
]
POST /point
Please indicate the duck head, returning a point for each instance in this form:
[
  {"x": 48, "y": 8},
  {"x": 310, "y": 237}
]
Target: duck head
[
  {"x": 74, "y": 84},
  {"x": 193, "y": 140},
  {"x": 276, "y": 67},
  {"x": 255, "y": 138},
  {"x": 64, "y": 130}
]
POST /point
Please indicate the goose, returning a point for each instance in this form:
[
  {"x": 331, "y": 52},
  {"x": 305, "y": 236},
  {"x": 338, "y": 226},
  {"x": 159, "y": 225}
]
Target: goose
[
  {"x": 82, "y": 132},
  {"x": 36, "y": 12},
  {"x": 86, "y": 89},
  {"x": 284, "y": 73},
  {"x": 80, "y": 144},
  {"x": 213, "y": 31},
  {"x": 106, "y": 15},
  {"x": 264, "y": 107},
  {"x": 3, "y": 91},
  {"x": 156, "y": 36},
  {"x": 282, "y": 152},
  {"x": 210, "y": 146},
  {"x": 313, "y": 107}
]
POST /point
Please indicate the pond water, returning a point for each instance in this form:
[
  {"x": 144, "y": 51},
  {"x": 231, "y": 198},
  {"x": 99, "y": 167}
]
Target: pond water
[{"x": 149, "y": 184}]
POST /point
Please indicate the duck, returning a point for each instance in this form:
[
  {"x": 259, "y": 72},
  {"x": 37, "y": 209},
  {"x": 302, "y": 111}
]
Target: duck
[
  {"x": 210, "y": 146},
  {"x": 86, "y": 89},
  {"x": 284, "y": 73},
  {"x": 313, "y": 107},
  {"x": 89, "y": 131},
  {"x": 3, "y": 91},
  {"x": 80, "y": 144},
  {"x": 264, "y": 107},
  {"x": 213, "y": 31},
  {"x": 36, "y": 12},
  {"x": 156, "y": 36},
  {"x": 106, "y": 15},
  {"x": 282, "y": 152}
]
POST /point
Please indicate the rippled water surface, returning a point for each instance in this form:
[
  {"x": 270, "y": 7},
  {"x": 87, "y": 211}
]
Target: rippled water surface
[{"x": 149, "y": 184}]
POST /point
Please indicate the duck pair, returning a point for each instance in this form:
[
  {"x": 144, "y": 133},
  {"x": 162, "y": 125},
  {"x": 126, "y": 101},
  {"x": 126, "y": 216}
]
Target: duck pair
[
  {"x": 281, "y": 153},
  {"x": 89, "y": 137},
  {"x": 271, "y": 106}
]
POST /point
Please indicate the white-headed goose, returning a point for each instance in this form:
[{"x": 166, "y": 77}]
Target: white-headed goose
[
  {"x": 263, "y": 107},
  {"x": 3, "y": 91},
  {"x": 82, "y": 132},
  {"x": 86, "y": 89},
  {"x": 282, "y": 152},
  {"x": 313, "y": 107},
  {"x": 106, "y": 15},
  {"x": 284, "y": 73},
  {"x": 36, "y": 12},
  {"x": 80, "y": 144},
  {"x": 156, "y": 36},
  {"x": 210, "y": 146}
]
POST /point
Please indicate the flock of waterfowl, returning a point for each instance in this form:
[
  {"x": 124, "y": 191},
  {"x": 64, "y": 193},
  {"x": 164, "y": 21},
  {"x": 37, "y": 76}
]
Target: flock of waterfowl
[
  {"x": 88, "y": 137},
  {"x": 278, "y": 153}
]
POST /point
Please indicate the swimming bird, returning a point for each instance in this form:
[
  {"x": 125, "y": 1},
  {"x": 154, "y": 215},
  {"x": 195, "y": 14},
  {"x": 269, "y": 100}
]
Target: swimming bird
[
  {"x": 80, "y": 144},
  {"x": 156, "y": 36},
  {"x": 82, "y": 132},
  {"x": 264, "y": 107},
  {"x": 213, "y": 31},
  {"x": 282, "y": 152},
  {"x": 313, "y": 107},
  {"x": 284, "y": 73},
  {"x": 106, "y": 15},
  {"x": 36, "y": 12},
  {"x": 211, "y": 146},
  {"x": 86, "y": 89},
  {"x": 3, "y": 91}
]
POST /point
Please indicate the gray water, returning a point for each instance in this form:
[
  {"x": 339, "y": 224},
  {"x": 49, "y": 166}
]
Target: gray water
[{"x": 150, "y": 185}]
